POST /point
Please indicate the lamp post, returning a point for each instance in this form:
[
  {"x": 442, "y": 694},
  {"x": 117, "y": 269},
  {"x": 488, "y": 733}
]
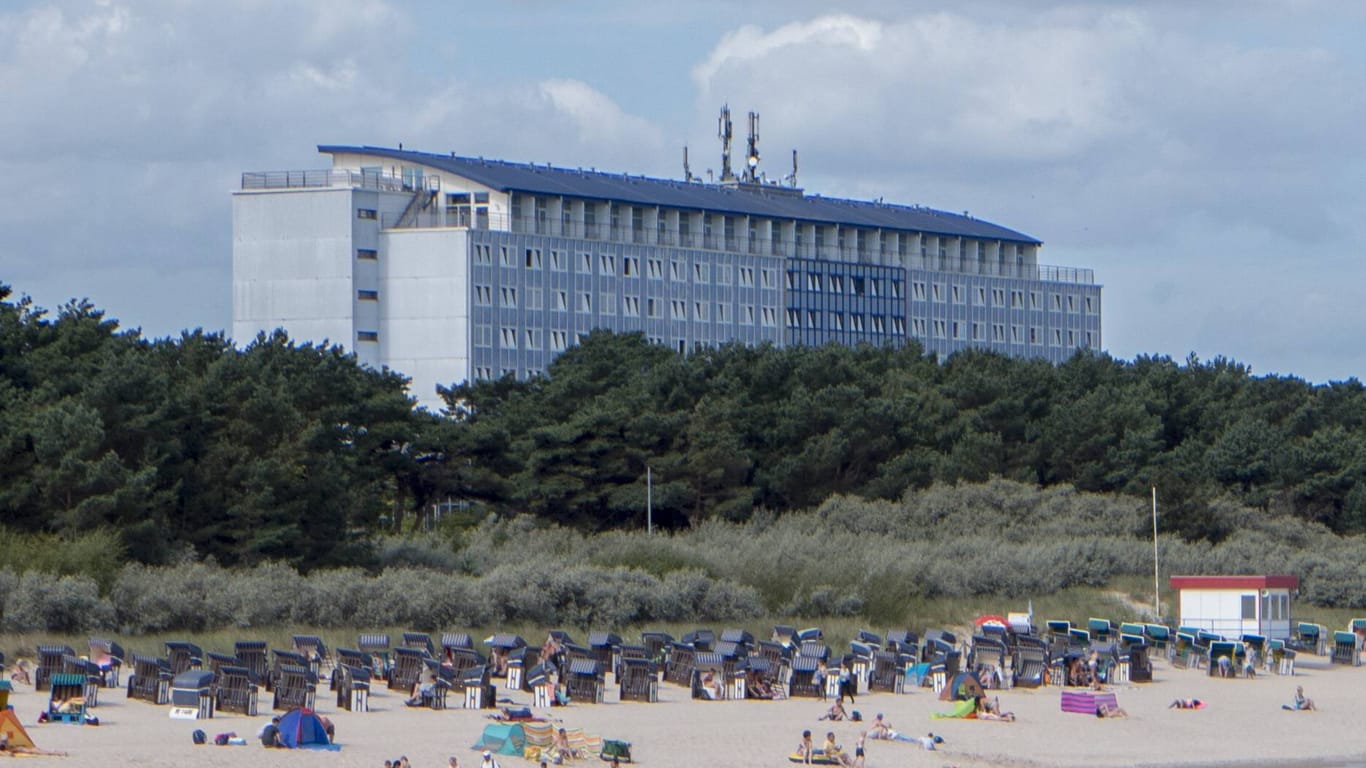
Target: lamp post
[{"x": 649, "y": 502}]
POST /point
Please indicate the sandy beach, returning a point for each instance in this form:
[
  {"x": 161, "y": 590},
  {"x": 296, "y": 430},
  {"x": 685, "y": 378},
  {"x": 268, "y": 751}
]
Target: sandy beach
[{"x": 1242, "y": 725}]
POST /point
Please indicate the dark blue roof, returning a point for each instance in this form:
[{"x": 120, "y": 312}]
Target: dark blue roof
[{"x": 749, "y": 200}]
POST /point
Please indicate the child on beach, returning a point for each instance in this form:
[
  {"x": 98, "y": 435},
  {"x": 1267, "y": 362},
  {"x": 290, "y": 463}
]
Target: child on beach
[{"x": 1302, "y": 703}]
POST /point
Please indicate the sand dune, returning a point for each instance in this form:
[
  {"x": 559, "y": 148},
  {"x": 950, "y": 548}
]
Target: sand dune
[{"x": 1243, "y": 724}]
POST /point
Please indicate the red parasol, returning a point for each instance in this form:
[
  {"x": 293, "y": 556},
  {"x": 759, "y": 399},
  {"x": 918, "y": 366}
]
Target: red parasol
[{"x": 991, "y": 618}]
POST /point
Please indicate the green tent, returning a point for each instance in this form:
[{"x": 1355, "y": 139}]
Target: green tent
[{"x": 503, "y": 739}]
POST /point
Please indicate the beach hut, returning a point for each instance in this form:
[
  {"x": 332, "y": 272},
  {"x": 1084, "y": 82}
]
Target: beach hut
[
  {"x": 66, "y": 698},
  {"x": 1231, "y": 606}
]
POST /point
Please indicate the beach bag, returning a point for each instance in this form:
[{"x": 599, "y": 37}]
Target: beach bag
[
  {"x": 199, "y": 737},
  {"x": 619, "y": 749}
]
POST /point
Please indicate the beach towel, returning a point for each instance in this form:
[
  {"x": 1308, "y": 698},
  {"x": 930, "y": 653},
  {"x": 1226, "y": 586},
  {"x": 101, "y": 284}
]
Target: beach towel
[
  {"x": 817, "y": 758},
  {"x": 961, "y": 709}
]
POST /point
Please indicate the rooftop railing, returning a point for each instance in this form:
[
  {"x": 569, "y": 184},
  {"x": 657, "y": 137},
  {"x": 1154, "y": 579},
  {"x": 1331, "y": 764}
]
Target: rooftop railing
[{"x": 322, "y": 178}]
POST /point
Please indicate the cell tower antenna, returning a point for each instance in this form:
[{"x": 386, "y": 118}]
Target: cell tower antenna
[
  {"x": 723, "y": 132},
  {"x": 794, "y": 169},
  {"x": 752, "y": 156},
  {"x": 687, "y": 172}
]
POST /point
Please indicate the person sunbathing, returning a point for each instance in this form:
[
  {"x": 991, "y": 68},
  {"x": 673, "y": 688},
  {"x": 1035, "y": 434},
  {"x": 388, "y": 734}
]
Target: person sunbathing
[
  {"x": 1187, "y": 704},
  {"x": 836, "y": 712},
  {"x": 1110, "y": 710},
  {"x": 711, "y": 686},
  {"x": 988, "y": 709}
]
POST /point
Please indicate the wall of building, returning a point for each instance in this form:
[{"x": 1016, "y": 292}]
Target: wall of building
[
  {"x": 1222, "y": 611},
  {"x": 424, "y": 308}
]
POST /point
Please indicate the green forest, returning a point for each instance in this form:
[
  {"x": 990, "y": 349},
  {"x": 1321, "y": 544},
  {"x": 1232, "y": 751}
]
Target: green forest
[{"x": 284, "y": 454}]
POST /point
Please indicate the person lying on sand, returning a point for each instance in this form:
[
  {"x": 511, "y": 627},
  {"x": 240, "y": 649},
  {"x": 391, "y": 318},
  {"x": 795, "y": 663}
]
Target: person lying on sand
[
  {"x": 988, "y": 709},
  {"x": 1187, "y": 704},
  {"x": 1110, "y": 711},
  {"x": 880, "y": 729}
]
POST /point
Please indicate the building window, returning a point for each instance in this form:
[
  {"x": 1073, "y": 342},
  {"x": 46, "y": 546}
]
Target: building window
[
  {"x": 557, "y": 261},
  {"x": 1249, "y": 607},
  {"x": 1033, "y": 299},
  {"x": 608, "y": 264},
  {"x": 367, "y": 254},
  {"x": 366, "y": 213},
  {"x": 656, "y": 269},
  {"x": 918, "y": 327},
  {"x": 558, "y": 340},
  {"x": 937, "y": 291},
  {"x": 998, "y": 297},
  {"x": 940, "y": 329},
  {"x": 1071, "y": 338},
  {"x": 955, "y": 330},
  {"x": 896, "y": 289},
  {"x": 813, "y": 319},
  {"x": 483, "y": 295},
  {"x": 700, "y": 310},
  {"x": 533, "y": 338},
  {"x": 631, "y": 306},
  {"x": 836, "y": 321},
  {"x": 1090, "y": 308},
  {"x": 813, "y": 282},
  {"x": 1014, "y": 334},
  {"x": 976, "y": 331},
  {"x": 700, "y": 272},
  {"x": 533, "y": 298},
  {"x": 678, "y": 310},
  {"x": 899, "y": 326},
  {"x": 652, "y": 307},
  {"x": 879, "y": 325},
  {"x": 747, "y": 314},
  {"x": 723, "y": 313},
  {"x": 585, "y": 302},
  {"x": 561, "y": 301},
  {"x": 586, "y": 263},
  {"x": 918, "y": 291},
  {"x": 957, "y": 292},
  {"x": 1057, "y": 302},
  {"x": 1016, "y": 299},
  {"x": 723, "y": 274},
  {"x": 836, "y": 284},
  {"x": 533, "y": 258},
  {"x": 1034, "y": 337},
  {"x": 856, "y": 323},
  {"x": 509, "y": 297},
  {"x": 509, "y": 337},
  {"x": 367, "y": 295},
  {"x": 770, "y": 317},
  {"x": 746, "y": 277},
  {"x": 769, "y": 277},
  {"x": 794, "y": 318},
  {"x": 607, "y": 303},
  {"x": 367, "y": 336},
  {"x": 630, "y": 266}
]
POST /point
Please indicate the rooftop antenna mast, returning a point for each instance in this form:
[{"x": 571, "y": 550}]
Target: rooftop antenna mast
[
  {"x": 752, "y": 156},
  {"x": 687, "y": 172},
  {"x": 794, "y": 169},
  {"x": 723, "y": 132}
]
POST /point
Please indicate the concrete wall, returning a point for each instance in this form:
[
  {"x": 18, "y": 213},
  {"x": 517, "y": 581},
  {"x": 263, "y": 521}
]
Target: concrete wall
[{"x": 424, "y": 308}]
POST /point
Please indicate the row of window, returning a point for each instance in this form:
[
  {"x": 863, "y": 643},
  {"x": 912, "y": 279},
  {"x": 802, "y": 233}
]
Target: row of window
[
  {"x": 1000, "y": 297},
  {"x": 607, "y": 264},
  {"x": 838, "y": 321},
  {"x": 854, "y": 285},
  {"x": 607, "y": 304}
]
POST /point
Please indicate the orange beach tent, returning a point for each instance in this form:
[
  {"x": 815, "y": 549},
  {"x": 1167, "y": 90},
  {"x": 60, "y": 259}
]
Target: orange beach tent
[{"x": 11, "y": 729}]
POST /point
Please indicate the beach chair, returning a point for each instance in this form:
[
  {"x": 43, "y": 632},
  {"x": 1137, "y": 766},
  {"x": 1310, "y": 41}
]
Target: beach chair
[
  {"x": 584, "y": 681},
  {"x": 741, "y": 637},
  {"x": 352, "y": 684},
  {"x": 49, "y": 663},
  {"x": 1183, "y": 649},
  {"x": 903, "y": 641},
  {"x": 281, "y": 659},
  {"x": 181, "y": 656},
  {"x": 1031, "y": 666},
  {"x": 444, "y": 680},
  {"x": 803, "y": 682},
  {"x": 253, "y": 655},
  {"x": 638, "y": 680},
  {"x": 1100, "y": 629},
  {"x": 936, "y": 642},
  {"x": 1225, "y": 658},
  {"x": 192, "y": 695},
  {"x": 315, "y": 650},
  {"x": 785, "y": 635},
  {"x": 606, "y": 649},
  {"x": 109, "y": 656},
  {"x": 657, "y": 646},
  {"x": 418, "y": 641},
  {"x": 1346, "y": 648},
  {"x": 216, "y": 661},
  {"x": 456, "y": 641},
  {"x": 347, "y": 657},
  {"x": 1311, "y": 637},
  {"x": 708, "y": 666},
  {"x": 236, "y": 690},
  {"x": 1280, "y": 660},
  {"x": 151, "y": 679},
  {"x": 295, "y": 687},
  {"x": 476, "y": 690},
  {"x": 66, "y": 698},
  {"x": 75, "y": 665},
  {"x": 377, "y": 647},
  {"x": 884, "y": 671},
  {"x": 700, "y": 639},
  {"x": 1159, "y": 638},
  {"x": 679, "y": 669},
  {"x": 408, "y": 666}
]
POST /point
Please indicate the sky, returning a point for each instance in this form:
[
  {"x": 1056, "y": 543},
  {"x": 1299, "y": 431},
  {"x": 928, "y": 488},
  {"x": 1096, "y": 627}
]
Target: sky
[{"x": 1204, "y": 159}]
